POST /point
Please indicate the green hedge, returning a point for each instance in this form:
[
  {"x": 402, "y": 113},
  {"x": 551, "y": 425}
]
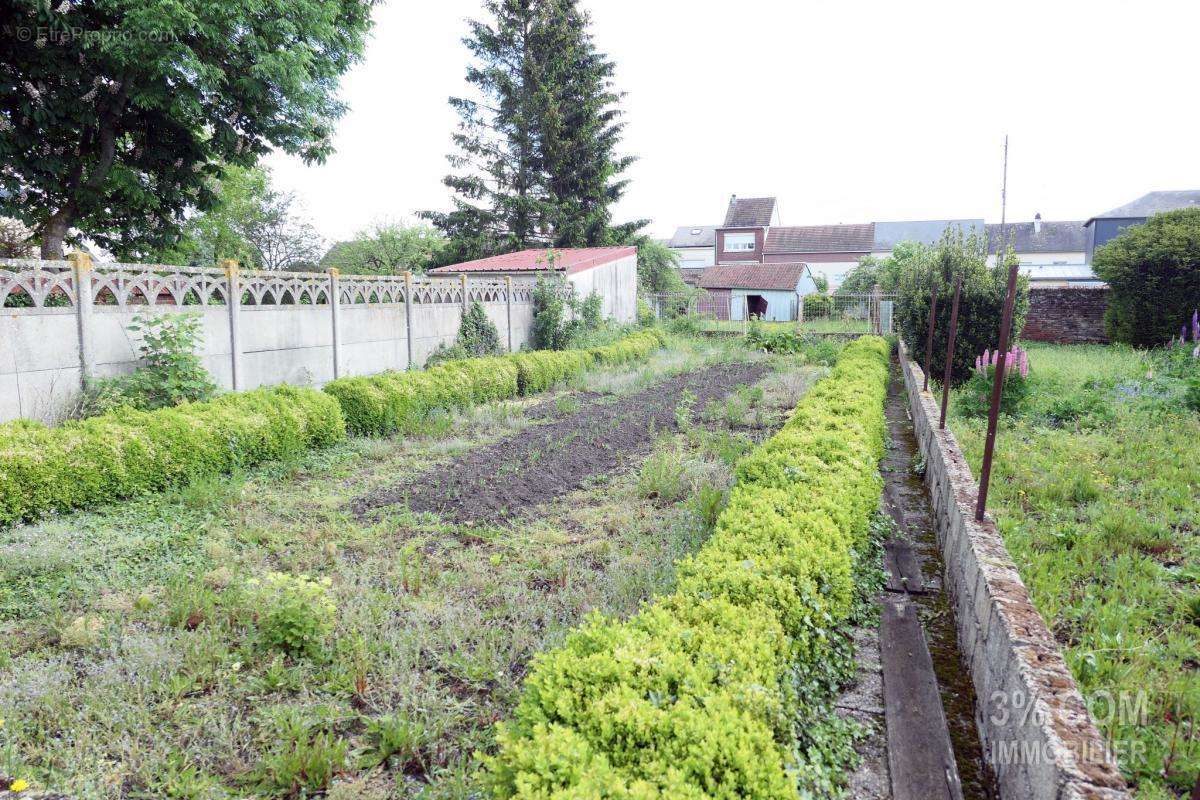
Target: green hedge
[
  {"x": 389, "y": 402},
  {"x": 695, "y": 696},
  {"x": 127, "y": 452}
]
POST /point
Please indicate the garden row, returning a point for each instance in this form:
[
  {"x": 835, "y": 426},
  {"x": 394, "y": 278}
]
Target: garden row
[
  {"x": 126, "y": 452},
  {"x": 702, "y": 693}
]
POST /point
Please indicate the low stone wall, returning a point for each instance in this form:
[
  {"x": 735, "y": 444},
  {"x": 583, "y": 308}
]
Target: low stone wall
[
  {"x": 1069, "y": 315},
  {"x": 1037, "y": 735}
]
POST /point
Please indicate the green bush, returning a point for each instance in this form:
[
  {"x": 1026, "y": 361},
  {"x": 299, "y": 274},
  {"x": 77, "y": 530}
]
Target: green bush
[
  {"x": 975, "y": 399},
  {"x": 1153, "y": 274},
  {"x": 128, "y": 452},
  {"x": 980, "y": 308},
  {"x": 698, "y": 694},
  {"x": 390, "y": 402},
  {"x": 294, "y": 613},
  {"x": 171, "y": 372}
]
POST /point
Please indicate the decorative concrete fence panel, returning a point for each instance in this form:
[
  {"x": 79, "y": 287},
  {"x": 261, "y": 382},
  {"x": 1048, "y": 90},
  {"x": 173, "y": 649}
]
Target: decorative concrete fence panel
[{"x": 64, "y": 321}]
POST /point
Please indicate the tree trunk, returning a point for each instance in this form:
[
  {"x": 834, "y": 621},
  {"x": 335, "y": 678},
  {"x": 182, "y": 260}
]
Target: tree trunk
[{"x": 54, "y": 233}]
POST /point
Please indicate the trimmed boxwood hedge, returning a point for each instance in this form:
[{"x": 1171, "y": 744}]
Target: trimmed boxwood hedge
[
  {"x": 695, "y": 696},
  {"x": 127, "y": 452},
  {"x": 378, "y": 405}
]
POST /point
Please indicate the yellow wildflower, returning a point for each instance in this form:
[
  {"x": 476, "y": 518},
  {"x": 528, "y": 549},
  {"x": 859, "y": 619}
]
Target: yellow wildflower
[{"x": 19, "y": 785}]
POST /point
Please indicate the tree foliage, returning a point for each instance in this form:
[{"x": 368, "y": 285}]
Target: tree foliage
[
  {"x": 1153, "y": 273},
  {"x": 15, "y": 238},
  {"x": 872, "y": 270},
  {"x": 250, "y": 221},
  {"x": 980, "y": 308},
  {"x": 658, "y": 268},
  {"x": 535, "y": 161},
  {"x": 115, "y": 115},
  {"x": 388, "y": 248}
]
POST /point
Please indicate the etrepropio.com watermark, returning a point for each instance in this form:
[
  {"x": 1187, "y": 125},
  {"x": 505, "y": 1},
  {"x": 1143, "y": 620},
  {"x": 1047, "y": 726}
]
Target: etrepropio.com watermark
[{"x": 45, "y": 35}]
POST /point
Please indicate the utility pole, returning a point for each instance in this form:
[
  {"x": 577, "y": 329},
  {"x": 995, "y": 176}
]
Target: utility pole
[{"x": 1004, "y": 192}]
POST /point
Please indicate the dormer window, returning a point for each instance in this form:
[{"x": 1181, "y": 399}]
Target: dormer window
[{"x": 739, "y": 243}]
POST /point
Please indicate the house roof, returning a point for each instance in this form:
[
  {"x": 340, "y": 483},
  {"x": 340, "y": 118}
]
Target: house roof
[
  {"x": 1054, "y": 237},
  {"x": 821, "y": 239},
  {"x": 924, "y": 231},
  {"x": 1152, "y": 203},
  {"x": 694, "y": 236},
  {"x": 778, "y": 277},
  {"x": 566, "y": 259},
  {"x": 749, "y": 212}
]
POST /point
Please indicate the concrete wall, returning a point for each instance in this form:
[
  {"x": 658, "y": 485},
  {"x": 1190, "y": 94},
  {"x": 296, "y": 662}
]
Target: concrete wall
[
  {"x": 616, "y": 282},
  {"x": 693, "y": 257},
  {"x": 40, "y": 347},
  {"x": 1072, "y": 315},
  {"x": 1037, "y": 735}
]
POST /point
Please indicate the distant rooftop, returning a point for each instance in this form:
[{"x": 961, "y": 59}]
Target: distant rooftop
[
  {"x": 1054, "y": 237},
  {"x": 777, "y": 277},
  {"x": 820, "y": 239},
  {"x": 694, "y": 236},
  {"x": 1153, "y": 203},
  {"x": 566, "y": 259},
  {"x": 749, "y": 212},
  {"x": 925, "y": 231}
]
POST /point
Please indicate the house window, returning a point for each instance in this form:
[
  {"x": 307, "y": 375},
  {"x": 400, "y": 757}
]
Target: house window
[{"x": 739, "y": 242}]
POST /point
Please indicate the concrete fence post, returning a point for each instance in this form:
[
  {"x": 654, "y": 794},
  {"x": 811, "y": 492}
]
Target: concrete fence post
[
  {"x": 408, "y": 314},
  {"x": 508, "y": 308},
  {"x": 81, "y": 274},
  {"x": 233, "y": 302},
  {"x": 335, "y": 304}
]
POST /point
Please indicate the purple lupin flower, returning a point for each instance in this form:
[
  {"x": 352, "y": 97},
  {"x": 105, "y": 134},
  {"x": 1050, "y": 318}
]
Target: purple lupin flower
[{"x": 1196, "y": 325}]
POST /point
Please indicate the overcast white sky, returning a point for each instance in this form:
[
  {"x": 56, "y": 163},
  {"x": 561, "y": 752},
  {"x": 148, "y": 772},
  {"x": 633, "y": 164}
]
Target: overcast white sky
[{"x": 846, "y": 111}]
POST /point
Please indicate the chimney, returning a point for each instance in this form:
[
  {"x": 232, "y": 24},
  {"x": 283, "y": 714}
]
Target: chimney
[{"x": 1037, "y": 224}]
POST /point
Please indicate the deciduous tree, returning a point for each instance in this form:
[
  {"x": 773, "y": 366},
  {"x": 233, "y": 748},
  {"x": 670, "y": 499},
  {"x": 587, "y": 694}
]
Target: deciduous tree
[{"x": 116, "y": 114}]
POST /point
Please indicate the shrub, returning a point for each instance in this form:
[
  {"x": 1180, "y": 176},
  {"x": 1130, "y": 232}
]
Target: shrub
[
  {"x": 696, "y": 695},
  {"x": 1153, "y": 273},
  {"x": 477, "y": 334},
  {"x": 980, "y": 308},
  {"x": 294, "y": 612},
  {"x": 127, "y": 452},
  {"x": 171, "y": 372},
  {"x": 390, "y": 402},
  {"x": 549, "y": 329}
]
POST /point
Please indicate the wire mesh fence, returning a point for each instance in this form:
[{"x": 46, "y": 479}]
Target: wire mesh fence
[{"x": 815, "y": 313}]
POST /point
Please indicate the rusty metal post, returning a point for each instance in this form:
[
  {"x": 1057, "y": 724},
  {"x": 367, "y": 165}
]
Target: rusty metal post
[
  {"x": 929, "y": 339},
  {"x": 989, "y": 445},
  {"x": 950, "y": 352}
]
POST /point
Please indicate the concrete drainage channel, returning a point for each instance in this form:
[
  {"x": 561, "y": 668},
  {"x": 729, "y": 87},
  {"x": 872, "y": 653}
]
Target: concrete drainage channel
[
  {"x": 979, "y": 702},
  {"x": 933, "y": 747}
]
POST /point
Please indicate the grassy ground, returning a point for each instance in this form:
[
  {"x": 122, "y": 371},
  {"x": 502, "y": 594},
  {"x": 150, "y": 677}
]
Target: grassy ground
[
  {"x": 167, "y": 647},
  {"x": 1096, "y": 490},
  {"x": 810, "y": 325}
]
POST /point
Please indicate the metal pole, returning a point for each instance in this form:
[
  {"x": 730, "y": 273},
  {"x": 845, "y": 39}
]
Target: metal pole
[
  {"x": 950, "y": 351},
  {"x": 929, "y": 339},
  {"x": 989, "y": 445}
]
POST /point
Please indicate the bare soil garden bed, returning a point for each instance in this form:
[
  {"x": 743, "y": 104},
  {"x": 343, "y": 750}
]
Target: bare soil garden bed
[{"x": 542, "y": 462}]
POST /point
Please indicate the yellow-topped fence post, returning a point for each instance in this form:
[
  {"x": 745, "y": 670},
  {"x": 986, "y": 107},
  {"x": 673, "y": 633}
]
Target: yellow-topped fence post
[
  {"x": 233, "y": 303},
  {"x": 81, "y": 277}
]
